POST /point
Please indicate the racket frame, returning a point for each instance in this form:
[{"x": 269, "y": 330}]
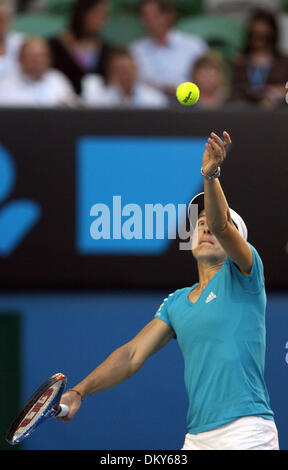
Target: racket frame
[{"x": 52, "y": 409}]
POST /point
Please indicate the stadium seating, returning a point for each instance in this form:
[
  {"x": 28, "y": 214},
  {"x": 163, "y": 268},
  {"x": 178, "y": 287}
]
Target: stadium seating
[
  {"x": 124, "y": 26},
  {"x": 184, "y": 7},
  {"x": 122, "y": 29},
  {"x": 222, "y": 34},
  {"x": 40, "y": 24},
  {"x": 58, "y": 7}
]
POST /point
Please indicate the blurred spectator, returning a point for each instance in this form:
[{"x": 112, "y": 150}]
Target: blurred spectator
[
  {"x": 10, "y": 42},
  {"x": 80, "y": 50},
  {"x": 165, "y": 58},
  {"x": 261, "y": 71},
  {"x": 211, "y": 76},
  {"x": 34, "y": 83},
  {"x": 123, "y": 87}
]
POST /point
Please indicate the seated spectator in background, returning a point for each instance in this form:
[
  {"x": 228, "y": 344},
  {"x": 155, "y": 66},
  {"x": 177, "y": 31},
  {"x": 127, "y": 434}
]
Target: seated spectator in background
[
  {"x": 34, "y": 83},
  {"x": 123, "y": 87},
  {"x": 10, "y": 42},
  {"x": 80, "y": 50},
  {"x": 211, "y": 76},
  {"x": 260, "y": 72},
  {"x": 165, "y": 58}
]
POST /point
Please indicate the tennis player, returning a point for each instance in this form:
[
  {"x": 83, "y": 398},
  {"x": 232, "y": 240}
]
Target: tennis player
[{"x": 219, "y": 323}]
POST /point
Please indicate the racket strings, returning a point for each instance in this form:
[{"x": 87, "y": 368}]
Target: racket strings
[{"x": 41, "y": 406}]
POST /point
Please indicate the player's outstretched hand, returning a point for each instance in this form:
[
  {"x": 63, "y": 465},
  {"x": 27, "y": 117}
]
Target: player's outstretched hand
[
  {"x": 215, "y": 152},
  {"x": 73, "y": 400}
]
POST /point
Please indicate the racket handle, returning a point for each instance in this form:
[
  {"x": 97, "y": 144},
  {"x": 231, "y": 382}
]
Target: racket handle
[{"x": 63, "y": 411}]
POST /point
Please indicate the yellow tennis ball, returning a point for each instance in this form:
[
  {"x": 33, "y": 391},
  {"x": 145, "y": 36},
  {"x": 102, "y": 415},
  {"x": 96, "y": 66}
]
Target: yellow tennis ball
[{"x": 187, "y": 93}]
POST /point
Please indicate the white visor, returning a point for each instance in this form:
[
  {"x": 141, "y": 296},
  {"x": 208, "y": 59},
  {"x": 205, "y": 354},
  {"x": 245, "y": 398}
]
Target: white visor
[{"x": 237, "y": 219}]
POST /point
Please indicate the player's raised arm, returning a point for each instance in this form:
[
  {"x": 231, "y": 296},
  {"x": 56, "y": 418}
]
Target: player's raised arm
[
  {"x": 216, "y": 207},
  {"x": 120, "y": 365}
]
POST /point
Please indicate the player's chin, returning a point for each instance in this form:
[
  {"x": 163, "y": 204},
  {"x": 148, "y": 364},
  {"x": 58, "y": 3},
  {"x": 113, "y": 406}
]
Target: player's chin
[
  {"x": 205, "y": 250},
  {"x": 205, "y": 246}
]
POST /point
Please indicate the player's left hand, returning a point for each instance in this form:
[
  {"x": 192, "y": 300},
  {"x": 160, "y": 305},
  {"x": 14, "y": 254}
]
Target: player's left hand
[{"x": 215, "y": 152}]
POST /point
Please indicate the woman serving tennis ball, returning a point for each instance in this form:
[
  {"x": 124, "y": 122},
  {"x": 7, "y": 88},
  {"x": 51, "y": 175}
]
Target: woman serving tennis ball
[
  {"x": 187, "y": 93},
  {"x": 219, "y": 323}
]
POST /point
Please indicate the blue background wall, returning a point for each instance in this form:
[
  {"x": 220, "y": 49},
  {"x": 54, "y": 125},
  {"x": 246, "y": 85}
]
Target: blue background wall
[{"x": 73, "y": 333}]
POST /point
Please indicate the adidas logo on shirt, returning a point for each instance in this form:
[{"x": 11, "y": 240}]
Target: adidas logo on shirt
[{"x": 210, "y": 297}]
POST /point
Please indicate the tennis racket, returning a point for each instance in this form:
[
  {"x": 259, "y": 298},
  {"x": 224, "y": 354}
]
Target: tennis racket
[{"x": 42, "y": 405}]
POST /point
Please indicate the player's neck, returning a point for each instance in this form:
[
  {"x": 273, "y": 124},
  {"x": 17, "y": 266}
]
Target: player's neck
[{"x": 206, "y": 271}]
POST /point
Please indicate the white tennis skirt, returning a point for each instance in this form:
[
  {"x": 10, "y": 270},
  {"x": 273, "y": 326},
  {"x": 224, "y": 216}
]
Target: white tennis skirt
[{"x": 248, "y": 433}]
